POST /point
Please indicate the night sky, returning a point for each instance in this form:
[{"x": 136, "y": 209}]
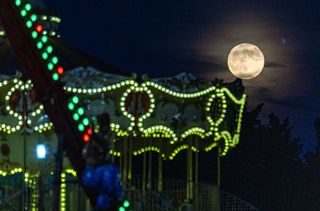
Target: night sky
[{"x": 163, "y": 38}]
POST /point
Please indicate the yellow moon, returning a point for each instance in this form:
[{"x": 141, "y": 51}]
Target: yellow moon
[{"x": 246, "y": 61}]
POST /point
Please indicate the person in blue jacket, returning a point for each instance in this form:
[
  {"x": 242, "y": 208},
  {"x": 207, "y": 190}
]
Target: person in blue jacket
[{"x": 100, "y": 174}]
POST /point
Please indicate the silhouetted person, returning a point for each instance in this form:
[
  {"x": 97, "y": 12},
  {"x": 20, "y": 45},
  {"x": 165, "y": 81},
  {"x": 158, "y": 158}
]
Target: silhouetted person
[{"x": 99, "y": 173}]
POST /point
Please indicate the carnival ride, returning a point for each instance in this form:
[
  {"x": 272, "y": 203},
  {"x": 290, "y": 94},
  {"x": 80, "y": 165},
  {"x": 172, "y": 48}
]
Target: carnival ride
[{"x": 141, "y": 118}]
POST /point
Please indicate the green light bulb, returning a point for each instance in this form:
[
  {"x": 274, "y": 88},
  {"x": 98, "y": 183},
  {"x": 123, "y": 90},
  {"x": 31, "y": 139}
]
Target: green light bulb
[
  {"x": 85, "y": 121},
  {"x": 55, "y": 76},
  {"x": 18, "y": 2},
  {"x": 44, "y": 39},
  {"x": 50, "y": 66},
  {"x": 23, "y": 13},
  {"x": 81, "y": 127},
  {"x": 126, "y": 203},
  {"x": 29, "y": 24},
  {"x": 33, "y": 17},
  {"x": 34, "y": 34},
  {"x": 80, "y": 111},
  {"x": 39, "y": 45},
  {"x": 75, "y": 99},
  {"x": 70, "y": 106},
  {"x": 49, "y": 49},
  {"x": 28, "y": 7},
  {"x": 122, "y": 209},
  {"x": 45, "y": 55},
  {"x": 76, "y": 116},
  {"x": 55, "y": 60}
]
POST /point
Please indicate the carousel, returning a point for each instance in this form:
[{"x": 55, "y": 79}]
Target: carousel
[
  {"x": 154, "y": 119},
  {"x": 163, "y": 116}
]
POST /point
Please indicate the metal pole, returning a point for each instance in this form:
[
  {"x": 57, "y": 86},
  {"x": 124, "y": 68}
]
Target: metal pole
[
  {"x": 218, "y": 166},
  {"x": 120, "y": 164},
  {"x": 160, "y": 181},
  {"x": 57, "y": 175},
  {"x": 196, "y": 178},
  {"x": 25, "y": 113},
  {"x": 144, "y": 173},
  {"x": 150, "y": 171},
  {"x": 125, "y": 163},
  {"x": 130, "y": 162},
  {"x": 189, "y": 175},
  {"x": 196, "y": 167},
  {"x": 218, "y": 177},
  {"x": 25, "y": 151},
  {"x": 25, "y": 193}
]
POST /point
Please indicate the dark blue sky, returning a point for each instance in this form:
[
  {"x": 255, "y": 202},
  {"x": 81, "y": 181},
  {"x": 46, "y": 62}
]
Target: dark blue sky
[{"x": 165, "y": 37}]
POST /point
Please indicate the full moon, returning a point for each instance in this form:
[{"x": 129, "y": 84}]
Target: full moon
[{"x": 246, "y": 61}]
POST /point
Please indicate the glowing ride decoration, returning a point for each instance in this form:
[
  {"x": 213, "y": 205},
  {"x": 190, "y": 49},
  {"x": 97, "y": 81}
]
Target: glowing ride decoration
[
  {"x": 41, "y": 151},
  {"x": 212, "y": 134},
  {"x": 137, "y": 129},
  {"x": 46, "y": 51}
]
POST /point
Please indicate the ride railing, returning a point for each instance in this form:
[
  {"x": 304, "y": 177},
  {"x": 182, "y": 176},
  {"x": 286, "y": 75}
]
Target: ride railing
[
  {"x": 230, "y": 202},
  {"x": 14, "y": 201},
  {"x": 144, "y": 195}
]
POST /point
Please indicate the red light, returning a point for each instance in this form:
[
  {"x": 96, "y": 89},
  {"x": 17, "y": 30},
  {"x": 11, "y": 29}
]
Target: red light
[
  {"x": 86, "y": 138},
  {"x": 39, "y": 28},
  {"x": 60, "y": 70},
  {"x": 89, "y": 131}
]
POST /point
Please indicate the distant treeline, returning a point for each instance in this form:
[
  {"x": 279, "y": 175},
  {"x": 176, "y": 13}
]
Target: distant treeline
[{"x": 267, "y": 169}]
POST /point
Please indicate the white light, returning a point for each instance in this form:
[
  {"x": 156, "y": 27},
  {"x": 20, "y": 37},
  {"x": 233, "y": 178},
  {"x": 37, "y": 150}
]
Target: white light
[{"x": 41, "y": 151}]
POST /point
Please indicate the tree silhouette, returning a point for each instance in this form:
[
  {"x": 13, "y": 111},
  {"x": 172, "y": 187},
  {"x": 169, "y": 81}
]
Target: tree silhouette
[
  {"x": 266, "y": 168},
  {"x": 312, "y": 184}
]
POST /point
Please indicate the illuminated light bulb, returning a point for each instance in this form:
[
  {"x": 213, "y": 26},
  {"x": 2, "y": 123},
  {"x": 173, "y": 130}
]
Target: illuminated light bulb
[
  {"x": 23, "y": 13},
  {"x": 28, "y": 7},
  {"x": 49, "y": 49},
  {"x": 39, "y": 45},
  {"x": 18, "y": 2},
  {"x": 39, "y": 28},
  {"x": 81, "y": 127},
  {"x": 55, "y": 76},
  {"x": 85, "y": 121},
  {"x": 45, "y": 55},
  {"x": 70, "y": 106},
  {"x": 60, "y": 70},
  {"x": 34, "y": 34},
  {"x": 33, "y": 17},
  {"x": 29, "y": 24},
  {"x": 50, "y": 66},
  {"x": 75, "y": 99},
  {"x": 54, "y": 60},
  {"x": 89, "y": 131},
  {"x": 44, "y": 39},
  {"x": 80, "y": 111},
  {"x": 41, "y": 151},
  {"x": 76, "y": 116}
]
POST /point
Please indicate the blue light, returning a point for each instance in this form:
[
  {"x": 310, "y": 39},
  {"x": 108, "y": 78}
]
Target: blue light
[{"x": 41, "y": 151}]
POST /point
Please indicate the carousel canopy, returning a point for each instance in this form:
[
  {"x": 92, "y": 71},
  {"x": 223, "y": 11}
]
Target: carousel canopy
[{"x": 165, "y": 115}]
